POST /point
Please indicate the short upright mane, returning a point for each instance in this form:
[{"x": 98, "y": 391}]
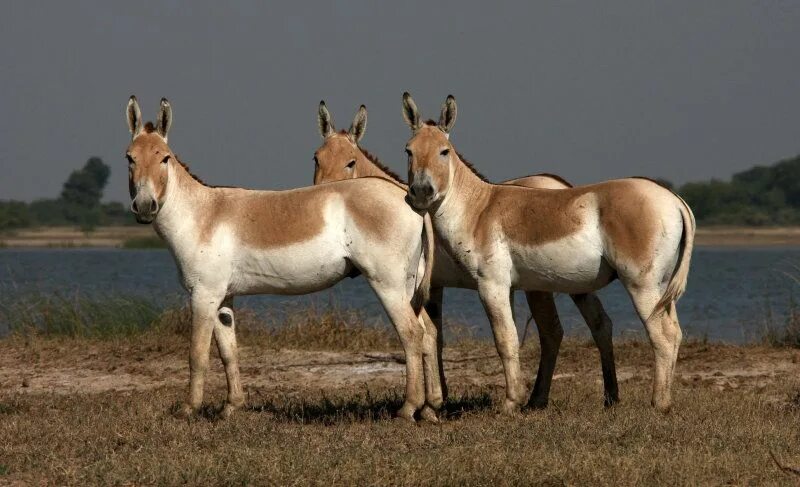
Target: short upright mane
[
  {"x": 190, "y": 173},
  {"x": 374, "y": 159},
  {"x": 472, "y": 168}
]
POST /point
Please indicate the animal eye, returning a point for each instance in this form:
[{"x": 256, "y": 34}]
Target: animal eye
[
  {"x": 130, "y": 159},
  {"x": 408, "y": 152},
  {"x": 445, "y": 152},
  {"x": 165, "y": 160},
  {"x": 316, "y": 161},
  {"x": 351, "y": 164}
]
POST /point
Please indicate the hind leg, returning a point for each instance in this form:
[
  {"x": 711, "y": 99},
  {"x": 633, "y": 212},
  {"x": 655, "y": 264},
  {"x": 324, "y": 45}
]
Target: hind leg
[
  {"x": 665, "y": 336},
  {"x": 225, "y": 336},
  {"x": 430, "y": 362},
  {"x": 411, "y": 332},
  {"x": 434, "y": 309},
  {"x": 543, "y": 310},
  {"x": 600, "y": 324}
]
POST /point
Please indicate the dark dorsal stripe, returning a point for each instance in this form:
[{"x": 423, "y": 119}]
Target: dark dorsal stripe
[{"x": 472, "y": 168}]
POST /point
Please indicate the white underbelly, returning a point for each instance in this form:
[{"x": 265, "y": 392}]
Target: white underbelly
[
  {"x": 297, "y": 269},
  {"x": 573, "y": 264}
]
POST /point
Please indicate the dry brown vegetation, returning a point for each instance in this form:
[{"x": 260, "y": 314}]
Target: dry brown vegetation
[{"x": 319, "y": 411}]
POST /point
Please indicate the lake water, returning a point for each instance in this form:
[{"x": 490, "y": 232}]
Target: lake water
[{"x": 732, "y": 292}]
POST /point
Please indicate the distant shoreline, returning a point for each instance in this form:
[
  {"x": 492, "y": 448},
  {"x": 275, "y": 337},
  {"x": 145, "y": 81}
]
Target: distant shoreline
[{"x": 143, "y": 236}]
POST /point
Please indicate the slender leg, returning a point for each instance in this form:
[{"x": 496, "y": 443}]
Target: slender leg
[
  {"x": 204, "y": 316},
  {"x": 411, "y": 333},
  {"x": 665, "y": 336},
  {"x": 543, "y": 309},
  {"x": 433, "y": 386},
  {"x": 497, "y": 303},
  {"x": 434, "y": 309},
  {"x": 225, "y": 335},
  {"x": 600, "y": 324}
]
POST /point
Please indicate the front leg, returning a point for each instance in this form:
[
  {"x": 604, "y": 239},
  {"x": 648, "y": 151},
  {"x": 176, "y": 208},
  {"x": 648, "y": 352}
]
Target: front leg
[
  {"x": 496, "y": 301},
  {"x": 204, "y": 315}
]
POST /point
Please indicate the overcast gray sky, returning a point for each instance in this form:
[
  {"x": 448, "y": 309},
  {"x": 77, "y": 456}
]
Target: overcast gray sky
[{"x": 589, "y": 90}]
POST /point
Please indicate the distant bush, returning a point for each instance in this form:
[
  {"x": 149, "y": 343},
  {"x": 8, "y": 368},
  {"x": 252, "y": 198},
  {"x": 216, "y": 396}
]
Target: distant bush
[{"x": 762, "y": 195}]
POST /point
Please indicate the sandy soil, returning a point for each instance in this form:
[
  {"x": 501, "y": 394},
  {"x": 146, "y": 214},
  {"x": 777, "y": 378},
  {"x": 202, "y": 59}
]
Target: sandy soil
[{"x": 69, "y": 368}]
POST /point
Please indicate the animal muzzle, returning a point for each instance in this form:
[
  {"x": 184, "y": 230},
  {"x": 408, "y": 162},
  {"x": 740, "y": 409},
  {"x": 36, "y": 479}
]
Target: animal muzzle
[
  {"x": 421, "y": 192},
  {"x": 145, "y": 208}
]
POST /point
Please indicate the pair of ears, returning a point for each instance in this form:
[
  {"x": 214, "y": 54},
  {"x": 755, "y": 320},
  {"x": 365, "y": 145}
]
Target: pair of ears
[
  {"x": 326, "y": 127},
  {"x": 447, "y": 117},
  {"x": 163, "y": 120}
]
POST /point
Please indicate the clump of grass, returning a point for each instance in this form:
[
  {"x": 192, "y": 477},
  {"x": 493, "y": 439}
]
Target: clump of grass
[
  {"x": 787, "y": 334},
  {"x": 330, "y": 329},
  {"x": 77, "y": 316},
  {"x": 143, "y": 243}
]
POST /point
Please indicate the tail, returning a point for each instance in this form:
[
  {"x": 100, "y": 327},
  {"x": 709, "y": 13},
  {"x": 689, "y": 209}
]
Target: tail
[
  {"x": 423, "y": 290},
  {"x": 677, "y": 284}
]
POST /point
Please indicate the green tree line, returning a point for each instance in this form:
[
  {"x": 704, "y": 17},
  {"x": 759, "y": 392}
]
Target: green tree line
[
  {"x": 78, "y": 205},
  {"x": 760, "y": 196}
]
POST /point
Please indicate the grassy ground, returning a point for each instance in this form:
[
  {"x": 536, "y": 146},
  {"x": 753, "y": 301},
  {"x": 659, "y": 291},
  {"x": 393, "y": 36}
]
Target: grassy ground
[{"x": 320, "y": 397}]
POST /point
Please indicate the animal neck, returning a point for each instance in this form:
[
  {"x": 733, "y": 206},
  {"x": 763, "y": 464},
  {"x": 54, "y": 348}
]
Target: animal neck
[
  {"x": 368, "y": 165},
  {"x": 185, "y": 200},
  {"x": 468, "y": 194}
]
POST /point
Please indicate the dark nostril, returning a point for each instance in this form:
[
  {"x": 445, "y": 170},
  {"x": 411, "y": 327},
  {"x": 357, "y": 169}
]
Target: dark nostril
[
  {"x": 153, "y": 206},
  {"x": 413, "y": 190},
  {"x": 134, "y": 208}
]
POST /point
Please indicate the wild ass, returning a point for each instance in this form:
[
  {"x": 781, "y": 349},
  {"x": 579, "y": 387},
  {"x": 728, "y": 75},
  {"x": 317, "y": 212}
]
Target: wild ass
[
  {"x": 569, "y": 240},
  {"x": 233, "y": 241},
  {"x": 341, "y": 157}
]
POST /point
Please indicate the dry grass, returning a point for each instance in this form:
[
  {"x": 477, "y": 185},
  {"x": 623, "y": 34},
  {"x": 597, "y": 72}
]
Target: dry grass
[{"x": 734, "y": 405}]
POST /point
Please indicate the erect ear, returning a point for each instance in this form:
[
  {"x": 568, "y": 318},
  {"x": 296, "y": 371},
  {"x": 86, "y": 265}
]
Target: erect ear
[
  {"x": 325, "y": 121},
  {"x": 359, "y": 125},
  {"x": 164, "y": 119},
  {"x": 448, "y": 116},
  {"x": 410, "y": 112},
  {"x": 134, "y": 116}
]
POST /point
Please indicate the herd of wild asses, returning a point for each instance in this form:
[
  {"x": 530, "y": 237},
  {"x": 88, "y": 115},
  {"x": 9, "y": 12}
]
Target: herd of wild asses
[{"x": 448, "y": 226}]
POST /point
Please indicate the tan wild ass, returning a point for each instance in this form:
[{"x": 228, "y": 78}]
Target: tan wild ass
[
  {"x": 341, "y": 157},
  {"x": 233, "y": 241},
  {"x": 568, "y": 240}
]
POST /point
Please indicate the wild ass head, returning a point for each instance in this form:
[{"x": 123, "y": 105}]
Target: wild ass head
[
  {"x": 430, "y": 155},
  {"x": 148, "y": 160},
  {"x": 339, "y": 156}
]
